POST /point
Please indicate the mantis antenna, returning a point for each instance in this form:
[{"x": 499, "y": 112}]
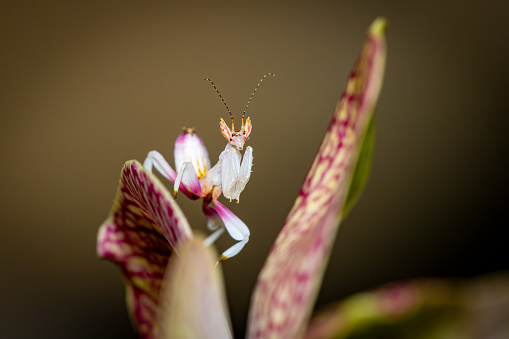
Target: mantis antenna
[
  {"x": 249, "y": 101},
  {"x": 224, "y": 102},
  {"x": 252, "y": 95}
]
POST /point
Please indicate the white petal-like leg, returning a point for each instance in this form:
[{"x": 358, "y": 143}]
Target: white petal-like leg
[
  {"x": 234, "y": 250},
  {"x": 213, "y": 237},
  {"x": 155, "y": 159},
  {"x": 234, "y": 175},
  {"x": 187, "y": 175},
  {"x": 214, "y": 223},
  {"x": 235, "y": 227},
  {"x": 213, "y": 219}
]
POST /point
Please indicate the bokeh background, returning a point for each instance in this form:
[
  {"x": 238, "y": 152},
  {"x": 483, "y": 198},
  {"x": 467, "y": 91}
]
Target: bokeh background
[{"x": 86, "y": 86}]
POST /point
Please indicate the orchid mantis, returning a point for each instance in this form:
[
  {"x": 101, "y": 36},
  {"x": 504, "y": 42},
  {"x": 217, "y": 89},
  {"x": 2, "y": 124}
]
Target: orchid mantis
[{"x": 196, "y": 179}]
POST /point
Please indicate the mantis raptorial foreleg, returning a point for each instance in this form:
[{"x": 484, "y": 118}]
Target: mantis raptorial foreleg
[
  {"x": 245, "y": 170},
  {"x": 234, "y": 175}
]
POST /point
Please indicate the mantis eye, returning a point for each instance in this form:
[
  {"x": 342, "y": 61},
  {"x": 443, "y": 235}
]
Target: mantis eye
[
  {"x": 247, "y": 128},
  {"x": 225, "y": 131}
]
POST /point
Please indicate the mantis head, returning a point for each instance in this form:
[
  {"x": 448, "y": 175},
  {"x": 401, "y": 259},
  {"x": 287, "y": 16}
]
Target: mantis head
[{"x": 237, "y": 137}]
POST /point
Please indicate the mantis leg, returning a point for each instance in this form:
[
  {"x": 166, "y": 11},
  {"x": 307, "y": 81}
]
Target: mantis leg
[
  {"x": 235, "y": 227},
  {"x": 155, "y": 159},
  {"x": 187, "y": 175},
  {"x": 234, "y": 250},
  {"x": 213, "y": 237},
  {"x": 214, "y": 222}
]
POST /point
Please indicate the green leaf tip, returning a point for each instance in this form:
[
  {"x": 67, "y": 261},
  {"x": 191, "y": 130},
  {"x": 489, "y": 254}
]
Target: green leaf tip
[{"x": 362, "y": 168}]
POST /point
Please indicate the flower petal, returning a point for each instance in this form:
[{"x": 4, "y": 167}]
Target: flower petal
[
  {"x": 143, "y": 229},
  {"x": 423, "y": 308},
  {"x": 426, "y": 307},
  {"x": 193, "y": 299},
  {"x": 289, "y": 281}
]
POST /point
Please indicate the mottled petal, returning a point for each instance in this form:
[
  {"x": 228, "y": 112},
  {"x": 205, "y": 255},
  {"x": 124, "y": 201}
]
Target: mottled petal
[
  {"x": 425, "y": 309},
  {"x": 289, "y": 281},
  {"x": 143, "y": 229},
  {"x": 193, "y": 299}
]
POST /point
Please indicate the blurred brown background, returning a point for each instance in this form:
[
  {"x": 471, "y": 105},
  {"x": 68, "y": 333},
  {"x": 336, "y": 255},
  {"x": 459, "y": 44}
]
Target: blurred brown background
[{"x": 85, "y": 87}]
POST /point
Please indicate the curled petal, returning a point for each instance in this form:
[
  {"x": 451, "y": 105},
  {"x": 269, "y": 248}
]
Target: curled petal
[
  {"x": 144, "y": 227},
  {"x": 289, "y": 281},
  {"x": 193, "y": 299}
]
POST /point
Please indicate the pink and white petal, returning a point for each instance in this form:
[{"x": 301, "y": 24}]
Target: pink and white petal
[
  {"x": 289, "y": 281},
  {"x": 193, "y": 302},
  {"x": 425, "y": 304},
  {"x": 431, "y": 308},
  {"x": 144, "y": 228}
]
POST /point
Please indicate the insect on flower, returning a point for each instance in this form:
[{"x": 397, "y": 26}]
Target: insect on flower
[{"x": 196, "y": 179}]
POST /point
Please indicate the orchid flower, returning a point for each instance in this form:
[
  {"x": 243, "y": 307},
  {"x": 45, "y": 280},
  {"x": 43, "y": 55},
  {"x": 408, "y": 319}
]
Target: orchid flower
[{"x": 183, "y": 296}]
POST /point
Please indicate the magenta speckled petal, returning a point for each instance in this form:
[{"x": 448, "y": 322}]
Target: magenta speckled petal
[
  {"x": 288, "y": 283},
  {"x": 431, "y": 308},
  {"x": 193, "y": 302},
  {"x": 389, "y": 304},
  {"x": 143, "y": 229}
]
